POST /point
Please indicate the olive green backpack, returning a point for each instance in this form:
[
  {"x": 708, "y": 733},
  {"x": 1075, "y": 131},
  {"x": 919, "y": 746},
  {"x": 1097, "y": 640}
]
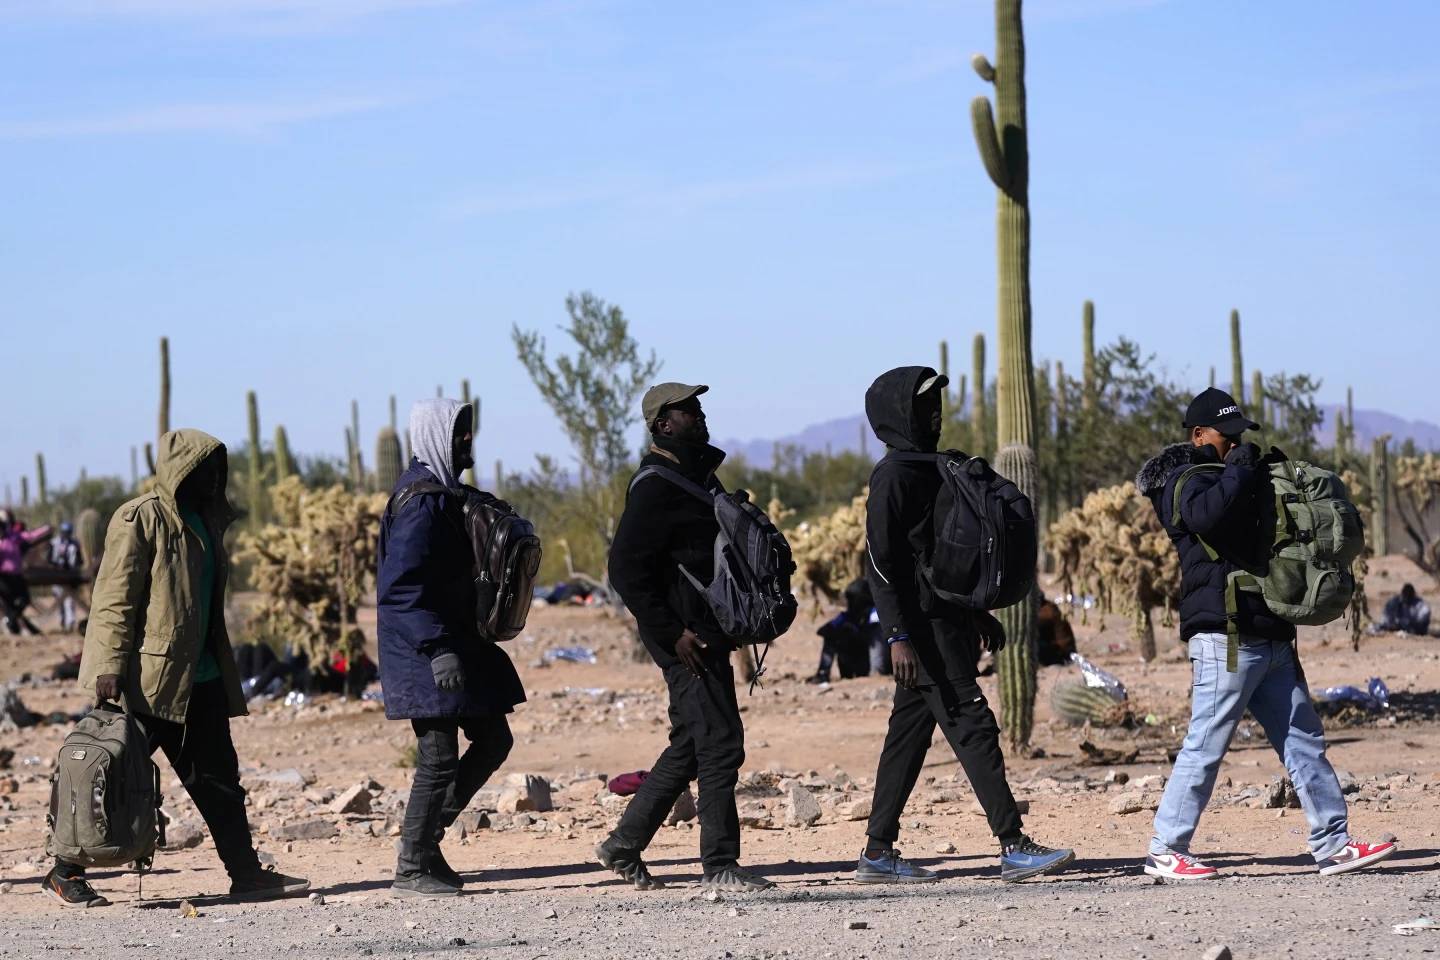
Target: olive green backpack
[
  {"x": 105, "y": 794},
  {"x": 1306, "y": 579}
]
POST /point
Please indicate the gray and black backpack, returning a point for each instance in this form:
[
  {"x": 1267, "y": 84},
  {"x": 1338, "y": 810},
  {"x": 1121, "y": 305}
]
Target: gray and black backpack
[
  {"x": 105, "y": 794},
  {"x": 750, "y": 593}
]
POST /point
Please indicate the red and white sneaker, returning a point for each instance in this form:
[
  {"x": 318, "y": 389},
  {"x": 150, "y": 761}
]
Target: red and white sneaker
[
  {"x": 1355, "y": 856},
  {"x": 1178, "y": 866}
]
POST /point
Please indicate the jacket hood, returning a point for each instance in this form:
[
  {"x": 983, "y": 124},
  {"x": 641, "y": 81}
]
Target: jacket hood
[
  {"x": 890, "y": 408},
  {"x": 181, "y": 451},
  {"x": 432, "y": 433},
  {"x": 1157, "y": 470}
]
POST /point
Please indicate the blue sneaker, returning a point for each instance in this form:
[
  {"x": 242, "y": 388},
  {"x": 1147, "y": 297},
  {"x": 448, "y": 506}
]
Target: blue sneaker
[
  {"x": 1026, "y": 858},
  {"x": 890, "y": 867}
]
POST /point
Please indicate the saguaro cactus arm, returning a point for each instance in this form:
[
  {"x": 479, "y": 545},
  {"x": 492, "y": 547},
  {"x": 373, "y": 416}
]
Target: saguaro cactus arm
[{"x": 982, "y": 121}]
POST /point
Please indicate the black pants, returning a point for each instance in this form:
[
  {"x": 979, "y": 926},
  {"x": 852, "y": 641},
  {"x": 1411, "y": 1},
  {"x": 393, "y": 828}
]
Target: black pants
[
  {"x": 202, "y": 755},
  {"x": 14, "y": 598},
  {"x": 445, "y": 782},
  {"x": 707, "y": 742},
  {"x": 965, "y": 717}
]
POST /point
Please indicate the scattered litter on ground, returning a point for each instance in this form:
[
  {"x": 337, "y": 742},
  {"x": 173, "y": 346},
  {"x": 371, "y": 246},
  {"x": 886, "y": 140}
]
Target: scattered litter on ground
[
  {"x": 1098, "y": 677},
  {"x": 575, "y": 654},
  {"x": 1376, "y": 696},
  {"x": 1417, "y": 925}
]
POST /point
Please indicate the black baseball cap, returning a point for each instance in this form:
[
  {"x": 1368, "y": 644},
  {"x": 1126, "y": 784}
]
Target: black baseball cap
[{"x": 1216, "y": 408}]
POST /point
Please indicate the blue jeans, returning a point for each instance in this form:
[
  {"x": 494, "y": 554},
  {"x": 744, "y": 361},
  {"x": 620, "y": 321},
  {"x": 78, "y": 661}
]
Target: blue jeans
[{"x": 1267, "y": 681}]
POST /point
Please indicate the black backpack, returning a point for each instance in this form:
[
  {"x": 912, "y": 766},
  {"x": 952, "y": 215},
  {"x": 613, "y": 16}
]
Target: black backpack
[
  {"x": 985, "y": 535},
  {"x": 750, "y": 594},
  {"x": 507, "y": 554}
]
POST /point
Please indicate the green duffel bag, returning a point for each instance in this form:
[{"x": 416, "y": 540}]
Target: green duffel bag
[{"x": 1306, "y": 578}]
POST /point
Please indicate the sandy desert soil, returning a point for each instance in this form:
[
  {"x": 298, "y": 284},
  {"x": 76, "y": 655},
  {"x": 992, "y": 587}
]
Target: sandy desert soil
[{"x": 535, "y": 891}]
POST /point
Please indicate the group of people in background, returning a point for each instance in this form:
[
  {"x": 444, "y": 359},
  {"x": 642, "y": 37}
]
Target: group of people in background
[
  {"x": 64, "y": 558},
  {"x": 157, "y": 640}
]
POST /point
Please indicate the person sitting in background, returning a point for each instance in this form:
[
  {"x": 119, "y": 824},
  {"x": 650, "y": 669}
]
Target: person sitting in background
[
  {"x": 1407, "y": 613},
  {"x": 65, "y": 555},
  {"x": 1057, "y": 637},
  {"x": 846, "y": 637},
  {"x": 15, "y": 541}
]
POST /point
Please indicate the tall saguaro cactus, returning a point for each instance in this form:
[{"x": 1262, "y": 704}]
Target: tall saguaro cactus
[
  {"x": 1380, "y": 495},
  {"x": 1087, "y": 371},
  {"x": 1237, "y": 363},
  {"x": 979, "y": 446},
  {"x": 357, "y": 461},
  {"x": 388, "y": 466},
  {"x": 1000, "y": 135},
  {"x": 41, "y": 491},
  {"x": 164, "y": 422},
  {"x": 256, "y": 480},
  {"x": 1257, "y": 397},
  {"x": 284, "y": 462}
]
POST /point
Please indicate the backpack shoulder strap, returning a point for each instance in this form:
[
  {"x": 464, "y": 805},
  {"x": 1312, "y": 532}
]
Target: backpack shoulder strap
[
  {"x": 1180, "y": 483},
  {"x": 410, "y": 491},
  {"x": 681, "y": 481}
]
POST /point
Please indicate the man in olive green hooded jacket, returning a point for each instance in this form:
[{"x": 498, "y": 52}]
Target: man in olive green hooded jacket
[{"x": 157, "y": 642}]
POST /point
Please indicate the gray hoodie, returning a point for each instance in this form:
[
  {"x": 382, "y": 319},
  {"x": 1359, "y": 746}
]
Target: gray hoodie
[{"x": 432, "y": 432}]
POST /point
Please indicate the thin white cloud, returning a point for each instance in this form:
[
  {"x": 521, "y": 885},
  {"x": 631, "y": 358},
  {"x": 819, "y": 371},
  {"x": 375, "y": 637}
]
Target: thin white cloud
[
  {"x": 232, "y": 119},
  {"x": 246, "y": 15}
]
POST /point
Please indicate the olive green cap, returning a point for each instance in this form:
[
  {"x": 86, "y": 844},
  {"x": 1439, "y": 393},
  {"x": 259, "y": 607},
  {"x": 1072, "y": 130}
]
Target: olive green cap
[{"x": 663, "y": 395}]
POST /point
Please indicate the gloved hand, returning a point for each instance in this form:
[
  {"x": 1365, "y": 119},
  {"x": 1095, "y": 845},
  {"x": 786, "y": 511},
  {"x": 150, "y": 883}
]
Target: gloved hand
[
  {"x": 992, "y": 631},
  {"x": 107, "y": 687},
  {"x": 449, "y": 674},
  {"x": 1244, "y": 455}
]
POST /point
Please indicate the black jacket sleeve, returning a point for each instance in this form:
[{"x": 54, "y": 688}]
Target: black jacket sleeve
[
  {"x": 889, "y": 556},
  {"x": 640, "y": 563}
]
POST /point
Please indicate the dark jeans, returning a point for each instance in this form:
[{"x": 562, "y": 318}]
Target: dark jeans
[
  {"x": 202, "y": 755},
  {"x": 965, "y": 717},
  {"x": 707, "y": 741},
  {"x": 445, "y": 781}
]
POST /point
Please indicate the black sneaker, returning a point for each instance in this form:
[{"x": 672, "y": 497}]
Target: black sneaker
[
  {"x": 627, "y": 865},
  {"x": 428, "y": 886},
  {"x": 266, "y": 884},
  {"x": 733, "y": 879},
  {"x": 72, "y": 891},
  {"x": 441, "y": 870},
  {"x": 1025, "y": 859}
]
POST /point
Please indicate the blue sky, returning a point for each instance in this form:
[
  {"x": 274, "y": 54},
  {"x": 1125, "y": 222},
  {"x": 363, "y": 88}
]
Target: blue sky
[{"x": 333, "y": 199}]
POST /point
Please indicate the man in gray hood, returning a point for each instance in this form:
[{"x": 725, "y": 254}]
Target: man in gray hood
[{"x": 438, "y": 672}]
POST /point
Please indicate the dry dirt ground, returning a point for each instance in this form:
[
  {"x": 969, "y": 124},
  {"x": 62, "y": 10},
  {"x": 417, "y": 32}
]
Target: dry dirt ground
[{"x": 534, "y": 890}]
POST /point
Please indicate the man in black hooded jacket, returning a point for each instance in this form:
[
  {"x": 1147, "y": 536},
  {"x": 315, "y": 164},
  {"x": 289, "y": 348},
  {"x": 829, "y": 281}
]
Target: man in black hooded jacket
[
  {"x": 934, "y": 645},
  {"x": 662, "y": 529}
]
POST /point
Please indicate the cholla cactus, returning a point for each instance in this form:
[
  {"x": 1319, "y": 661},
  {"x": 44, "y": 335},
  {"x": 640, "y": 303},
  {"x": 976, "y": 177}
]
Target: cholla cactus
[
  {"x": 1113, "y": 547},
  {"x": 1416, "y": 485},
  {"x": 312, "y": 567},
  {"x": 830, "y": 551}
]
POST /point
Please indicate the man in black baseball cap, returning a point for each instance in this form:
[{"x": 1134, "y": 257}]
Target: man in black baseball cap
[
  {"x": 1215, "y": 418},
  {"x": 1242, "y": 653}
]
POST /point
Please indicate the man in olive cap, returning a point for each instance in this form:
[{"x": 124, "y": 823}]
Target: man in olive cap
[{"x": 662, "y": 529}]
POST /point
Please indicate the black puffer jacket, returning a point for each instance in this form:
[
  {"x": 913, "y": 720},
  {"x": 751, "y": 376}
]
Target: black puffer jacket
[
  {"x": 899, "y": 534},
  {"x": 661, "y": 528},
  {"x": 1231, "y": 509}
]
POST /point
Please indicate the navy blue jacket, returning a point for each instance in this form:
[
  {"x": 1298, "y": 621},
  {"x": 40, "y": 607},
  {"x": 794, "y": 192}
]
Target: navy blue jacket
[
  {"x": 1233, "y": 509},
  {"x": 426, "y": 597}
]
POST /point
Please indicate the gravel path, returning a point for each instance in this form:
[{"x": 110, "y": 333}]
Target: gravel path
[{"x": 1277, "y": 908}]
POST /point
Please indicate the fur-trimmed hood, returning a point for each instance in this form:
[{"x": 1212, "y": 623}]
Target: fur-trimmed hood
[{"x": 1156, "y": 471}]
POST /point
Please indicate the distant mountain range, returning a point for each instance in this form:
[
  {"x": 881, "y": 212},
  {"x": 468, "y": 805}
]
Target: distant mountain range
[{"x": 844, "y": 434}]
